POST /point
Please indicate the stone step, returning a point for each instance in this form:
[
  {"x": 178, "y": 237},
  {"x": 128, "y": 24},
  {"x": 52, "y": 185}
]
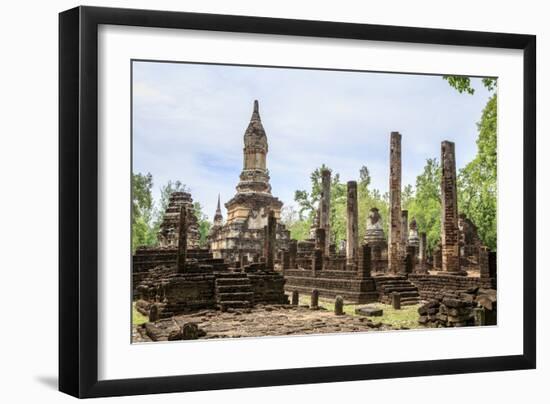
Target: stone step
[
  {"x": 396, "y": 283},
  {"x": 231, "y": 275},
  {"x": 391, "y": 289},
  {"x": 240, "y": 304},
  {"x": 404, "y": 301},
  {"x": 235, "y": 296},
  {"x": 232, "y": 288},
  {"x": 412, "y": 293},
  {"x": 232, "y": 281},
  {"x": 391, "y": 279}
]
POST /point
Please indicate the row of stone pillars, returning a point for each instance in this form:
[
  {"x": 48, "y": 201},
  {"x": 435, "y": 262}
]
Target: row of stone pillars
[{"x": 398, "y": 219}]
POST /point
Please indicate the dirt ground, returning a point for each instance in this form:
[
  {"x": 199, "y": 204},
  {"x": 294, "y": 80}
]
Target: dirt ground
[{"x": 271, "y": 320}]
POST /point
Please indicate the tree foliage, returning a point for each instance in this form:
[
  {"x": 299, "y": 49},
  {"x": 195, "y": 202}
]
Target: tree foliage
[
  {"x": 477, "y": 182},
  {"x": 464, "y": 84},
  {"x": 425, "y": 205},
  {"x": 147, "y": 214},
  {"x": 299, "y": 228},
  {"x": 308, "y": 203},
  {"x": 142, "y": 210},
  {"x": 203, "y": 224}
]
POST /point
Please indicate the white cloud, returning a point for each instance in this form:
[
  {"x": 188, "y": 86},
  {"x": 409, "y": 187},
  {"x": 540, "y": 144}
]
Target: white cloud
[{"x": 189, "y": 121}]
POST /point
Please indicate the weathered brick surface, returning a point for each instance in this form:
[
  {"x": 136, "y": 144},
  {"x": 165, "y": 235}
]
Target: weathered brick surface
[
  {"x": 450, "y": 254},
  {"x": 324, "y": 208},
  {"x": 248, "y": 210},
  {"x": 332, "y": 283},
  {"x": 352, "y": 230},
  {"x": 431, "y": 286},
  {"x": 395, "y": 259}
]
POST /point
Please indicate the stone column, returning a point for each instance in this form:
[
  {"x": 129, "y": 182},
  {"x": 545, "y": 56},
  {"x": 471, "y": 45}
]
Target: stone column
[
  {"x": 365, "y": 263},
  {"x": 314, "y": 299},
  {"x": 286, "y": 260},
  {"x": 396, "y": 300},
  {"x": 352, "y": 233},
  {"x": 483, "y": 259},
  {"x": 293, "y": 251},
  {"x": 339, "y": 306},
  {"x": 450, "y": 253},
  {"x": 317, "y": 261},
  {"x": 404, "y": 228},
  {"x": 320, "y": 239},
  {"x": 324, "y": 211},
  {"x": 395, "y": 260},
  {"x": 270, "y": 234},
  {"x": 410, "y": 259},
  {"x": 182, "y": 240},
  {"x": 421, "y": 268}
]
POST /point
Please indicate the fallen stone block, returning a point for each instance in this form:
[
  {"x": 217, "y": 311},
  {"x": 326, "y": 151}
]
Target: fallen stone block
[{"x": 369, "y": 311}]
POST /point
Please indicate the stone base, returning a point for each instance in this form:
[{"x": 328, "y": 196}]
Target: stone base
[
  {"x": 454, "y": 273},
  {"x": 331, "y": 284},
  {"x": 369, "y": 311}
]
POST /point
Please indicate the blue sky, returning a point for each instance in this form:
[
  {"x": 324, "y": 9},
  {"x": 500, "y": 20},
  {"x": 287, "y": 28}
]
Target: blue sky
[{"x": 189, "y": 121}]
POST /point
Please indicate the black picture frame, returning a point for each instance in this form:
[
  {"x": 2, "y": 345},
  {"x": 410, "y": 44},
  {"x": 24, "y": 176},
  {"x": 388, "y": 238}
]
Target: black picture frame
[{"x": 78, "y": 201}]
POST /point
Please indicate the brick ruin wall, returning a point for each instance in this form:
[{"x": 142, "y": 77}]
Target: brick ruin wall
[
  {"x": 268, "y": 288},
  {"x": 331, "y": 284},
  {"x": 431, "y": 286}
]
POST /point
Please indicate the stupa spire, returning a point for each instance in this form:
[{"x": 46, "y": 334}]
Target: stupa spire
[
  {"x": 254, "y": 177},
  {"x": 256, "y": 112},
  {"x": 218, "y": 218}
]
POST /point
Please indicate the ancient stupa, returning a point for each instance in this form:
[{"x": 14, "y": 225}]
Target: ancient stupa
[{"x": 242, "y": 235}]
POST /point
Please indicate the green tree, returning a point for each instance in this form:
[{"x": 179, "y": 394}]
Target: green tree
[
  {"x": 464, "y": 84},
  {"x": 308, "y": 201},
  {"x": 299, "y": 228},
  {"x": 203, "y": 224},
  {"x": 477, "y": 181},
  {"x": 425, "y": 204},
  {"x": 142, "y": 210},
  {"x": 367, "y": 199}
]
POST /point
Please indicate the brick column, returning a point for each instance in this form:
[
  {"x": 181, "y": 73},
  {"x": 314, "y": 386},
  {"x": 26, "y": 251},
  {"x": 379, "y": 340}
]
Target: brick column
[
  {"x": 483, "y": 259},
  {"x": 293, "y": 251},
  {"x": 352, "y": 233},
  {"x": 421, "y": 267},
  {"x": 270, "y": 239},
  {"x": 324, "y": 211},
  {"x": 286, "y": 260},
  {"x": 450, "y": 253},
  {"x": 320, "y": 239},
  {"x": 395, "y": 259},
  {"x": 404, "y": 228},
  {"x": 182, "y": 240},
  {"x": 317, "y": 261},
  {"x": 364, "y": 262}
]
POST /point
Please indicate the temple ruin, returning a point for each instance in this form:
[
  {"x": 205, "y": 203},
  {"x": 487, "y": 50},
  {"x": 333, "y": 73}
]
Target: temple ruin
[
  {"x": 241, "y": 236},
  {"x": 252, "y": 260}
]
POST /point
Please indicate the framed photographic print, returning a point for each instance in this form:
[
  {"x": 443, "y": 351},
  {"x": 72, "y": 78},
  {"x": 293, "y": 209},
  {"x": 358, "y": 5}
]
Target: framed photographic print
[{"x": 250, "y": 201}]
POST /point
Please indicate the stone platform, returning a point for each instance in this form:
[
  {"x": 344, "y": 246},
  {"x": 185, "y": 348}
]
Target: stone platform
[
  {"x": 268, "y": 320},
  {"x": 331, "y": 284}
]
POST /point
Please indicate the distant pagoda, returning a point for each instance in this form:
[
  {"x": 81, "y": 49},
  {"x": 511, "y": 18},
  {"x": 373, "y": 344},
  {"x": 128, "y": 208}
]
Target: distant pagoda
[
  {"x": 247, "y": 212},
  {"x": 168, "y": 232}
]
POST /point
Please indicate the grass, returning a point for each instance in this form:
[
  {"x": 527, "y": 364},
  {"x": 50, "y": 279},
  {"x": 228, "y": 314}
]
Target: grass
[
  {"x": 137, "y": 317},
  {"x": 406, "y": 317}
]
